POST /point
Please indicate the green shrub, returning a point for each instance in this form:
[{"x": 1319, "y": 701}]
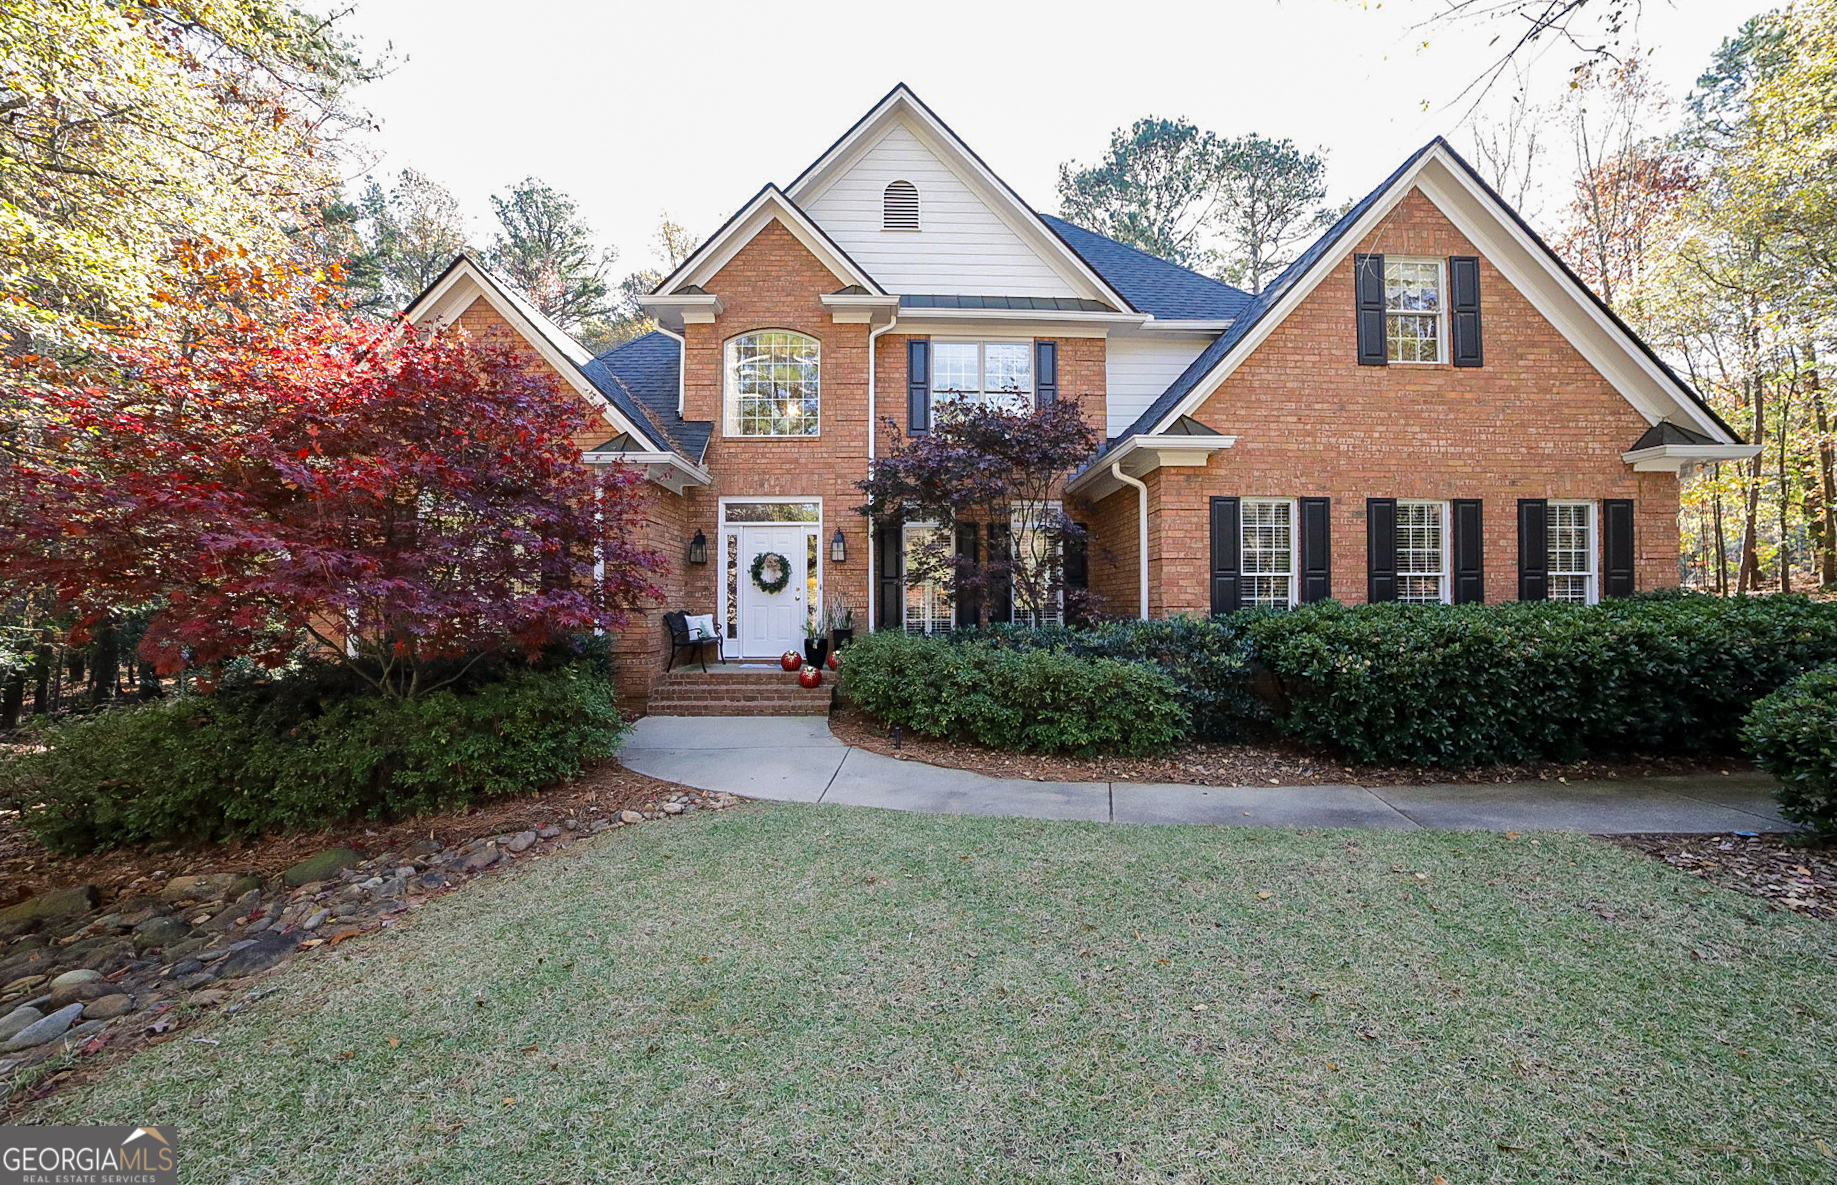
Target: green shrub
[
  {"x": 1029, "y": 700},
  {"x": 1208, "y": 659},
  {"x": 304, "y": 751},
  {"x": 1793, "y": 734},
  {"x": 1515, "y": 682}
]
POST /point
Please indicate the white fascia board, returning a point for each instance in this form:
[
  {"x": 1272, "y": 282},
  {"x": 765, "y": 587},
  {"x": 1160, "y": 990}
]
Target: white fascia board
[
  {"x": 902, "y": 104},
  {"x": 848, "y": 308},
  {"x": 1521, "y": 262},
  {"x": 1173, "y": 325},
  {"x": 1023, "y": 321},
  {"x": 1140, "y": 455},
  {"x": 770, "y": 203},
  {"x": 688, "y": 308},
  {"x": 442, "y": 305},
  {"x": 1674, "y": 458},
  {"x": 669, "y": 470}
]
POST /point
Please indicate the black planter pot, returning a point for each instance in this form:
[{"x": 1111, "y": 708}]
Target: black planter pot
[
  {"x": 842, "y": 638},
  {"x": 816, "y": 652}
]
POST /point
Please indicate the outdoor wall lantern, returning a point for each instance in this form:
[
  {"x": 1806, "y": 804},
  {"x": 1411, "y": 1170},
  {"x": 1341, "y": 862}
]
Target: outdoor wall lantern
[
  {"x": 698, "y": 548},
  {"x": 838, "y": 548}
]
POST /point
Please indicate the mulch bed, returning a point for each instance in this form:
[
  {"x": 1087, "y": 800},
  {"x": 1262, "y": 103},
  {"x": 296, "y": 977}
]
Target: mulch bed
[
  {"x": 1273, "y": 763},
  {"x": 1788, "y": 872}
]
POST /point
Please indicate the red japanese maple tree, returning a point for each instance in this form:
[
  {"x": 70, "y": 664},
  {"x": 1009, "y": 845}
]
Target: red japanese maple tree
[{"x": 399, "y": 499}]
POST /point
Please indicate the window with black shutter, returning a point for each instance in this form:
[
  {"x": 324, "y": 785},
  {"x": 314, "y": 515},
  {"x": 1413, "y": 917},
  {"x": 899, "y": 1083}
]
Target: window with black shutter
[
  {"x": 1316, "y": 549},
  {"x": 1380, "y": 549},
  {"x": 918, "y": 386},
  {"x": 1045, "y": 373},
  {"x": 1368, "y": 285},
  {"x": 1617, "y": 547},
  {"x": 1533, "y": 549},
  {"x": 1000, "y": 583},
  {"x": 1227, "y": 556},
  {"x": 1464, "y": 308},
  {"x": 1469, "y": 552}
]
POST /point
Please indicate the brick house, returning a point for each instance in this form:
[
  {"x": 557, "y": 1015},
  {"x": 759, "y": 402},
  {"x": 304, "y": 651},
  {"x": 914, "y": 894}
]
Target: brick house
[{"x": 1426, "y": 406}]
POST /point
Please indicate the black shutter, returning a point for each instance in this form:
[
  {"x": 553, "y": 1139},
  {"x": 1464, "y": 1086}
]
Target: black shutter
[
  {"x": 1380, "y": 549},
  {"x": 1045, "y": 373},
  {"x": 1469, "y": 553},
  {"x": 1227, "y": 556},
  {"x": 918, "y": 386},
  {"x": 1464, "y": 283},
  {"x": 1001, "y": 583},
  {"x": 1533, "y": 549},
  {"x": 890, "y": 557},
  {"x": 969, "y": 549},
  {"x": 1316, "y": 549},
  {"x": 1077, "y": 552},
  {"x": 1368, "y": 284},
  {"x": 1617, "y": 547}
]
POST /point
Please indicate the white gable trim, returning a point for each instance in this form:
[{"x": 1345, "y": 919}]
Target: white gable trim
[
  {"x": 901, "y": 105},
  {"x": 1523, "y": 263},
  {"x": 768, "y": 204},
  {"x": 465, "y": 283}
]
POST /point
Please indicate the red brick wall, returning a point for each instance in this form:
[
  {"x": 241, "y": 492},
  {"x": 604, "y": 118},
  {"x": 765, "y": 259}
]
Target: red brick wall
[{"x": 1536, "y": 421}]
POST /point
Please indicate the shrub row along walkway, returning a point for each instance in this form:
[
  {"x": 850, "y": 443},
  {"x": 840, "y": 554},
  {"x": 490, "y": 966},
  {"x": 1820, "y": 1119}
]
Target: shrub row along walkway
[{"x": 795, "y": 759}]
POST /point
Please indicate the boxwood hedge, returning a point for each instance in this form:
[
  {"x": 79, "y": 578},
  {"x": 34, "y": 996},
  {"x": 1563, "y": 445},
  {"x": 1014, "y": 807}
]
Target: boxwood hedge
[{"x": 1793, "y": 734}]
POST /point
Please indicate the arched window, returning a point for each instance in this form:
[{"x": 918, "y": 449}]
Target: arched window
[
  {"x": 899, "y": 209},
  {"x": 772, "y": 384}
]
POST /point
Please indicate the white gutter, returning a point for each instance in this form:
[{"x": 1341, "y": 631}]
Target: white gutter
[
  {"x": 1141, "y": 527},
  {"x": 682, "y": 364}
]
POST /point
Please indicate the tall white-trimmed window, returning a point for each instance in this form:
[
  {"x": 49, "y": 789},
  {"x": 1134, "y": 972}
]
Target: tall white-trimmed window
[
  {"x": 1422, "y": 551},
  {"x": 1413, "y": 310},
  {"x": 772, "y": 384},
  {"x": 1267, "y": 531},
  {"x": 1571, "y": 529},
  {"x": 1042, "y": 558},
  {"x": 989, "y": 374},
  {"x": 928, "y": 604}
]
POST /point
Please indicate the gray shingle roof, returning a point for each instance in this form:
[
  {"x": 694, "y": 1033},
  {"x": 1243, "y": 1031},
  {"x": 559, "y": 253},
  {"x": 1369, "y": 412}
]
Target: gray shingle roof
[
  {"x": 647, "y": 371},
  {"x": 1152, "y": 284}
]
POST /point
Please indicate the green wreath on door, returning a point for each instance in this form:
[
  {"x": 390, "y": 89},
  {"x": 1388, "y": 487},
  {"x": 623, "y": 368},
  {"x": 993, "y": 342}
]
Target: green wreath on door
[{"x": 784, "y": 572}]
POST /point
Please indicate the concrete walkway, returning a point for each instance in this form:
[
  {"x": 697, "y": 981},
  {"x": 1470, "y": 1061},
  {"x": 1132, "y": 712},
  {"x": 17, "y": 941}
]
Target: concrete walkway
[{"x": 796, "y": 759}]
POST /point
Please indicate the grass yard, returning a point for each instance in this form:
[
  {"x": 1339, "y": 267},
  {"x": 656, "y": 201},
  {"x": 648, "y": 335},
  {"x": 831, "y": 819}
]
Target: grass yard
[{"x": 795, "y": 994}]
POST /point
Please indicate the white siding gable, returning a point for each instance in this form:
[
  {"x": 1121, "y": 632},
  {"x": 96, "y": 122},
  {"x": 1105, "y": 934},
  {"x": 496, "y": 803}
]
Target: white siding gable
[
  {"x": 963, "y": 248},
  {"x": 1138, "y": 369}
]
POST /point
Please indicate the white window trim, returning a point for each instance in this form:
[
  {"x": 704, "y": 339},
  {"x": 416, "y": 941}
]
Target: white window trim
[
  {"x": 1294, "y": 545},
  {"x": 723, "y": 527},
  {"x": 1446, "y": 574},
  {"x": 1593, "y": 574},
  {"x": 1015, "y": 530},
  {"x": 730, "y": 407},
  {"x": 905, "y": 583},
  {"x": 981, "y": 343},
  {"x": 1441, "y": 314}
]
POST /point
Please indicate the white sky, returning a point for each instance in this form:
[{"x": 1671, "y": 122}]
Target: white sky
[{"x": 637, "y": 109}]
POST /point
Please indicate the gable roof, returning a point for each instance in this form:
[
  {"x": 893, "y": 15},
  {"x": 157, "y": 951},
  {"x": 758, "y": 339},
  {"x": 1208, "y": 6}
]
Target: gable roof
[
  {"x": 1164, "y": 290},
  {"x": 649, "y": 370},
  {"x": 569, "y": 358},
  {"x": 721, "y": 246},
  {"x": 1638, "y": 373},
  {"x": 902, "y": 103}
]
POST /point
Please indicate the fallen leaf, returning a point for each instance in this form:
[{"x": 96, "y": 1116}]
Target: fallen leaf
[
  {"x": 529, "y": 1049},
  {"x": 395, "y": 1042},
  {"x": 1199, "y": 1007},
  {"x": 1265, "y": 895},
  {"x": 348, "y": 1053},
  {"x": 1511, "y": 835},
  {"x": 312, "y": 942},
  {"x": 510, "y": 1100}
]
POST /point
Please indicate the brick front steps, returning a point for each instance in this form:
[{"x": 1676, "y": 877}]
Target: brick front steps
[{"x": 733, "y": 689}]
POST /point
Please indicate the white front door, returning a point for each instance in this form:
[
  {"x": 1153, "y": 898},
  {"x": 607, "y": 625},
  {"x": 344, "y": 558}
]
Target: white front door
[{"x": 773, "y": 622}]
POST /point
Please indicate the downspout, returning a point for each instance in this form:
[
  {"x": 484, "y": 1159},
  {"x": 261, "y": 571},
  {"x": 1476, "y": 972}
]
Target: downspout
[
  {"x": 1141, "y": 524},
  {"x": 682, "y": 364},
  {"x": 873, "y": 581}
]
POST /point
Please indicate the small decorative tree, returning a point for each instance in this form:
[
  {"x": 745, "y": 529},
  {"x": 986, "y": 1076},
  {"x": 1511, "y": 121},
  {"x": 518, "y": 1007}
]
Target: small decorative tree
[
  {"x": 994, "y": 467},
  {"x": 404, "y": 501}
]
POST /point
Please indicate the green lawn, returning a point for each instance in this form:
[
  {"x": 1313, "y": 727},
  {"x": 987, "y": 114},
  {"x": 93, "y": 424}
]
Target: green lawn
[{"x": 832, "y": 994}]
